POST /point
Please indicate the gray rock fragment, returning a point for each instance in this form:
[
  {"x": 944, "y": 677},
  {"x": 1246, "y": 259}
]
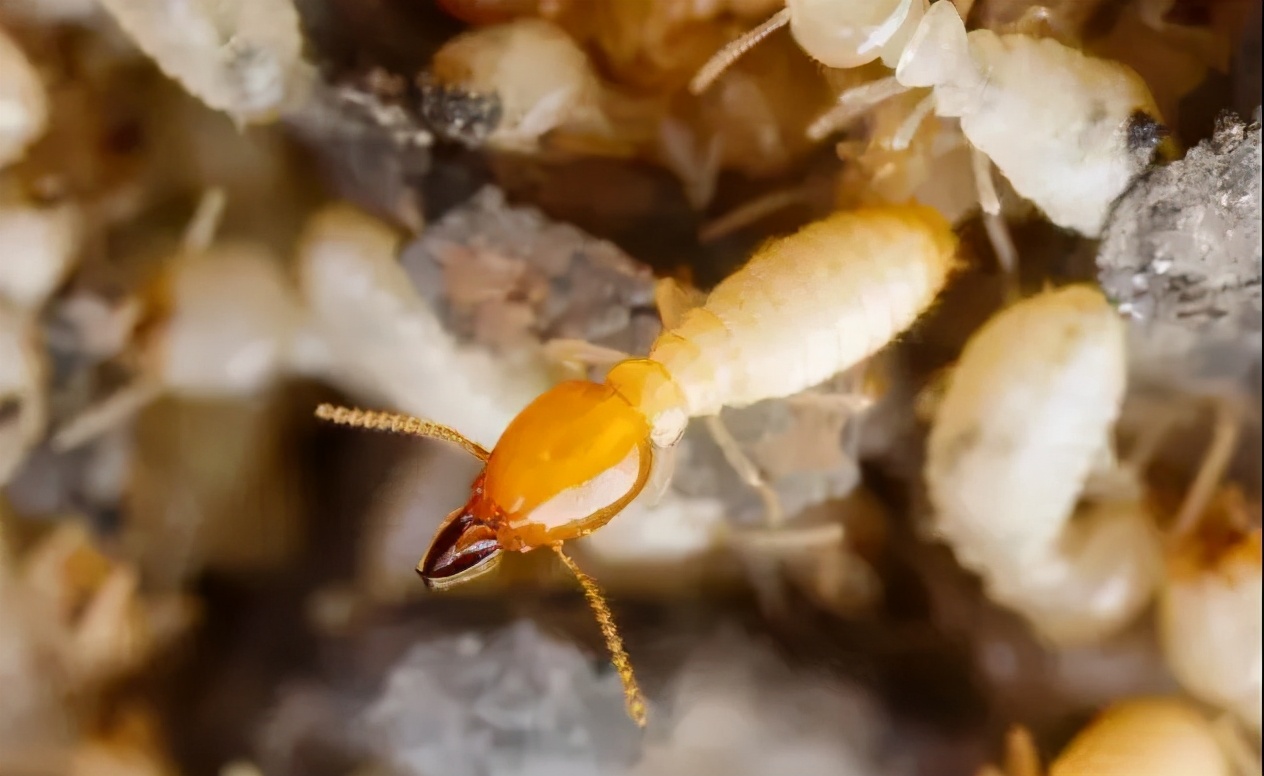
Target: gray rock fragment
[{"x": 1181, "y": 256}]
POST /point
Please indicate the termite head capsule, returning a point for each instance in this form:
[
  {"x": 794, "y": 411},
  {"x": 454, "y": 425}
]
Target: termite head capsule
[{"x": 567, "y": 464}]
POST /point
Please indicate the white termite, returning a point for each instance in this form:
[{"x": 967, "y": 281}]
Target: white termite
[
  {"x": 1027, "y": 416},
  {"x": 242, "y": 57},
  {"x": 1070, "y": 146},
  {"x": 225, "y": 322},
  {"x": 24, "y": 105}
]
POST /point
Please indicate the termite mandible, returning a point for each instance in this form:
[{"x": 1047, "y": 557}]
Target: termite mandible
[{"x": 803, "y": 309}]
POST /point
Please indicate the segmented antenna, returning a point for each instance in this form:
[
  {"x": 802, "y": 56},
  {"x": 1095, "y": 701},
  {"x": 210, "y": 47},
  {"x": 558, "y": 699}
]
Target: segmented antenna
[
  {"x": 726, "y": 56},
  {"x": 374, "y": 420},
  {"x": 618, "y": 655}
]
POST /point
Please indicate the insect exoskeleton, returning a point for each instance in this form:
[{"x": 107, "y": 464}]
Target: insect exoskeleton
[
  {"x": 804, "y": 308},
  {"x": 1210, "y": 608},
  {"x": 1028, "y": 414}
]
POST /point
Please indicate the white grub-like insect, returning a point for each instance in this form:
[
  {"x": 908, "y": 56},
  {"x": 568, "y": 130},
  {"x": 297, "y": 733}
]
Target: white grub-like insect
[
  {"x": 1071, "y": 147},
  {"x": 511, "y": 84},
  {"x": 242, "y": 57},
  {"x": 187, "y": 345},
  {"x": 1210, "y": 602},
  {"x": 1026, "y": 418},
  {"x": 803, "y": 309},
  {"x": 23, "y": 101},
  {"x": 1152, "y": 736}
]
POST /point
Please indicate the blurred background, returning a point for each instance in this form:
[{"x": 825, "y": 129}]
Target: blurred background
[{"x": 217, "y": 214}]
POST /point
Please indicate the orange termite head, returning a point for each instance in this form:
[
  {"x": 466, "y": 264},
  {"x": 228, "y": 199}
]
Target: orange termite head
[{"x": 568, "y": 463}]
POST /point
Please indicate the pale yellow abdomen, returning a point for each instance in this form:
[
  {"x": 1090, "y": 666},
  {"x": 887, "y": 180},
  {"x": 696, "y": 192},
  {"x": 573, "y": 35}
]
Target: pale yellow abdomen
[{"x": 809, "y": 306}]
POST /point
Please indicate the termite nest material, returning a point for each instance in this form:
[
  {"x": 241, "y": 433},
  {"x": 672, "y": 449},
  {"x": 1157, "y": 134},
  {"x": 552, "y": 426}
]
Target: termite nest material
[{"x": 771, "y": 386}]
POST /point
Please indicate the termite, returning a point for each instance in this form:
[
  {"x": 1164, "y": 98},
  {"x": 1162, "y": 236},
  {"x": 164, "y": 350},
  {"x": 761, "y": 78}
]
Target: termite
[
  {"x": 1154, "y": 736},
  {"x": 1209, "y": 611},
  {"x": 23, "y": 99},
  {"x": 1071, "y": 147},
  {"x": 804, "y": 308},
  {"x": 1026, "y": 419},
  {"x": 185, "y": 346},
  {"x": 242, "y": 57}
]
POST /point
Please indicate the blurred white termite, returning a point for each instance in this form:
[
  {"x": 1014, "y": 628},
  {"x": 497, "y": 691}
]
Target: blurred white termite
[
  {"x": 1026, "y": 419},
  {"x": 803, "y": 309},
  {"x": 1068, "y": 131},
  {"x": 39, "y": 246},
  {"x": 221, "y": 320},
  {"x": 1210, "y": 602},
  {"x": 1154, "y": 736},
  {"x": 23, "y": 100},
  {"x": 242, "y": 57},
  {"x": 512, "y": 84}
]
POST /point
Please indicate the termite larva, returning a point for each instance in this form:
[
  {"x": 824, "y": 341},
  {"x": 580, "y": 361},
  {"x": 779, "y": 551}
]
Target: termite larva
[
  {"x": 1027, "y": 416},
  {"x": 803, "y": 309}
]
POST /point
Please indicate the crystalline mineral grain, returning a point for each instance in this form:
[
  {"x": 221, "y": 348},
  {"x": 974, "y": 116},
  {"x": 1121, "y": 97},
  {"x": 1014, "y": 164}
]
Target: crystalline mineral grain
[{"x": 1181, "y": 256}]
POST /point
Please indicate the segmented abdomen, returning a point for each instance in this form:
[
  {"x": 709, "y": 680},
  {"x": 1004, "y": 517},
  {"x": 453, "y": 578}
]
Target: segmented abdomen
[{"x": 809, "y": 306}]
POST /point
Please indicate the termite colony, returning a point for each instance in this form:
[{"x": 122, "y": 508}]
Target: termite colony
[{"x": 920, "y": 337}]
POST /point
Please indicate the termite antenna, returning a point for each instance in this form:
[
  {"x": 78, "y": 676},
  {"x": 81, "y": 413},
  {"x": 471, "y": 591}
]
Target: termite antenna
[
  {"x": 1224, "y": 443},
  {"x": 726, "y": 56},
  {"x": 618, "y": 655},
  {"x": 374, "y": 420},
  {"x": 110, "y": 411}
]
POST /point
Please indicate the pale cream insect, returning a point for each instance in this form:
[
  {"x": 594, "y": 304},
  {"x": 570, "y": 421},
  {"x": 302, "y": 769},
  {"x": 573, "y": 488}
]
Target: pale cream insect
[
  {"x": 803, "y": 309},
  {"x": 195, "y": 349},
  {"x": 23, "y": 100},
  {"x": 1026, "y": 418},
  {"x": 242, "y": 57},
  {"x": 1070, "y": 146}
]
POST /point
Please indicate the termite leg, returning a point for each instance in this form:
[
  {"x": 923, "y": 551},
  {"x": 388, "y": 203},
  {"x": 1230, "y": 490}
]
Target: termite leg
[
  {"x": 852, "y": 104},
  {"x": 106, "y": 414},
  {"x": 1021, "y": 758},
  {"x": 576, "y": 351},
  {"x": 1224, "y": 443},
  {"x": 673, "y": 299},
  {"x": 575, "y": 356},
  {"x": 994, "y": 222},
  {"x": 773, "y": 515}
]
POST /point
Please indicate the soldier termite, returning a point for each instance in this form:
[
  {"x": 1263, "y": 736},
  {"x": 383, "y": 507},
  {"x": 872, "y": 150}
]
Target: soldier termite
[{"x": 803, "y": 309}]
